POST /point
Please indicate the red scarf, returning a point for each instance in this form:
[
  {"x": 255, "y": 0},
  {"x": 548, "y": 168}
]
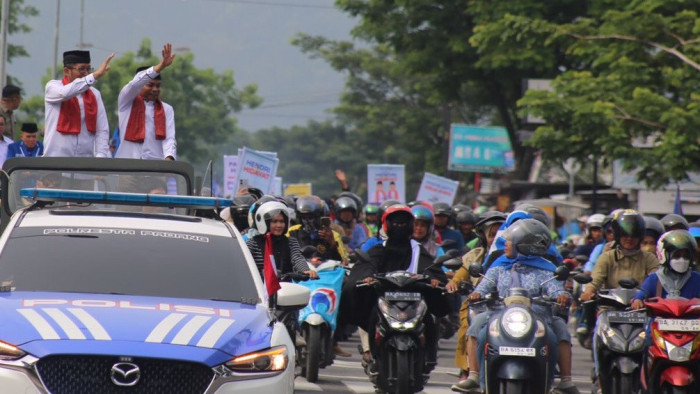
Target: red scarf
[
  {"x": 136, "y": 127},
  {"x": 269, "y": 273},
  {"x": 69, "y": 117}
]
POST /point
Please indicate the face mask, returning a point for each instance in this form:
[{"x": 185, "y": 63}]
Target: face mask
[{"x": 679, "y": 265}]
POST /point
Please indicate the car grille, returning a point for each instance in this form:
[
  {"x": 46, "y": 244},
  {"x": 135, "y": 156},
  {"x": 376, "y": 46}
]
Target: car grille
[{"x": 92, "y": 374}]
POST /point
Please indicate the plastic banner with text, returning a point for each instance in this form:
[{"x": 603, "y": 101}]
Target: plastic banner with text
[
  {"x": 480, "y": 149},
  {"x": 256, "y": 169},
  {"x": 230, "y": 174},
  {"x": 435, "y": 188},
  {"x": 386, "y": 182}
]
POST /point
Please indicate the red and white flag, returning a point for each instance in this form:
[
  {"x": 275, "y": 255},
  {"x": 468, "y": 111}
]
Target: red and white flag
[{"x": 272, "y": 283}]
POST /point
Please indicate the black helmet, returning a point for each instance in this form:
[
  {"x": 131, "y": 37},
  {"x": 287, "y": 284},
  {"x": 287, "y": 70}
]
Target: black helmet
[
  {"x": 343, "y": 204},
  {"x": 674, "y": 221},
  {"x": 457, "y": 208},
  {"x": 488, "y": 218},
  {"x": 442, "y": 208},
  {"x": 653, "y": 227},
  {"x": 359, "y": 203},
  {"x": 628, "y": 222},
  {"x": 529, "y": 237},
  {"x": 537, "y": 213},
  {"x": 383, "y": 207},
  {"x": 239, "y": 211},
  {"x": 309, "y": 205},
  {"x": 465, "y": 217},
  {"x": 675, "y": 240}
]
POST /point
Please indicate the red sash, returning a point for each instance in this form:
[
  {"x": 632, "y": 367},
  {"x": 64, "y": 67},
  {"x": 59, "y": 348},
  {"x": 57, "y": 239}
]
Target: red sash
[
  {"x": 269, "y": 274},
  {"x": 136, "y": 127},
  {"x": 69, "y": 117}
]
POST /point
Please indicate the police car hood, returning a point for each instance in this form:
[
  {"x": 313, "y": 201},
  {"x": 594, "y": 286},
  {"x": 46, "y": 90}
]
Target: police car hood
[{"x": 68, "y": 323}]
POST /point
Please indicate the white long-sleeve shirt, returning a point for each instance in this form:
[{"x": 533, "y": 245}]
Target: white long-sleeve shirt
[
  {"x": 150, "y": 148},
  {"x": 85, "y": 144},
  {"x": 4, "y": 144}
]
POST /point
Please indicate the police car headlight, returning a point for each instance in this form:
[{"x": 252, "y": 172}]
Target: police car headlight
[
  {"x": 268, "y": 360},
  {"x": 10, "y": 352},
  {"x": 516, "y": 322}
]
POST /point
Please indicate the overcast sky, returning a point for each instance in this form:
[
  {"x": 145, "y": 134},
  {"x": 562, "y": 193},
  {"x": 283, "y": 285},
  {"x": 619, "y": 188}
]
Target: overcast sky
[{"x": 251, "y": 37}]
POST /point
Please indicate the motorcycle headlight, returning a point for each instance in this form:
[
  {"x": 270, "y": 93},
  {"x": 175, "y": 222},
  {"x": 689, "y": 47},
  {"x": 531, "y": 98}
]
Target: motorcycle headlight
[
  {"x": 612, "y": 340},
  {"x": 678, "y": 353},
  {"x": 406, "y": 319},
  {"x": 637, "y": 343},
  {"x": 10, "y": 352},
  {"x": 269, "y": 360},
  {"x": 516, "y": 322}
]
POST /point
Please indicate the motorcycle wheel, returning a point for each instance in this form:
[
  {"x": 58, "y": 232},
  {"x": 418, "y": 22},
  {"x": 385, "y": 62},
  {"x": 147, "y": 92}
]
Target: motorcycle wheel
[
  {"x": 513, "y": 387},
  {"x": 403, "y": 373},
  {"x": 313, "y": 353},
  {"x": 627, "y": 384}
]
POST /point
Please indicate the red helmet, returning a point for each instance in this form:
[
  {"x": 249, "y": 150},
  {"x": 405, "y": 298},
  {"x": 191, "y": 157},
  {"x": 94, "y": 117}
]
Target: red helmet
[{"x": 396, "y": 210}]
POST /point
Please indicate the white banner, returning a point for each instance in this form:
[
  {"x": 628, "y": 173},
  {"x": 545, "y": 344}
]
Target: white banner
[
  {"x": 230, "y": 174},
  {"x": 435, "y": 188},
  {"x": 256, "y": 169},
  {"x": 277, "y": 186},
  {"x": 385, "y": 182}
]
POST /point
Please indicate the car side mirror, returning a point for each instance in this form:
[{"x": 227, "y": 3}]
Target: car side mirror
[{"x": 292, "y": 297}]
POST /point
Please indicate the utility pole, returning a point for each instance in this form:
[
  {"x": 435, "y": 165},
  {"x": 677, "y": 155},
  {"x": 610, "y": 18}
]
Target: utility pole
[
  {"x": 55, "y": 41},
  {"x": 4, "y": 22}
]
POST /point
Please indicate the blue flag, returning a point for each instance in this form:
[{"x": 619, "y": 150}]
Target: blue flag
[{"x": 677, "y": 206}]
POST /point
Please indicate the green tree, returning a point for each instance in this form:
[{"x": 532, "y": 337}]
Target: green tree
[
  {"x": 204, "y": 102},
  {"x": 636, "y": 81},
  {"x": 18, "y": 11}
]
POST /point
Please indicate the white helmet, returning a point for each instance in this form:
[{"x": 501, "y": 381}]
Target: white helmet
[
  {"x": 267, "y": 211},
  {"x": 595, "y": 220}
]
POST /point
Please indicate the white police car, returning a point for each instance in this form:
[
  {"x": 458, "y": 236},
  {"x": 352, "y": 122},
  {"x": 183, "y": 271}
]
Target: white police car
[{"x": 99, "y": 298}]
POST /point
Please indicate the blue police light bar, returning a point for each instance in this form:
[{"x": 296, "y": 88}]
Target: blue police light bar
[{"x": 119, "y": 198}]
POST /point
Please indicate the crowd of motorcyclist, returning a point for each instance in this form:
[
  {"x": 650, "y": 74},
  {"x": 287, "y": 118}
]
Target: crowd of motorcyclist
[{"x": 515, "y": 250}]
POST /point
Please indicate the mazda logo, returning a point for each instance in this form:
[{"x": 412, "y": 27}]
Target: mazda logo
[{"x": 125, "y": 374}]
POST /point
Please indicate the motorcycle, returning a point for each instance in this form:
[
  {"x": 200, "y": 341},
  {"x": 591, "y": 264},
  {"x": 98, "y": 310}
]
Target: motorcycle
[
  {"x": 400, "y": 365},
  {"x": 318, "y": 319},
  {"x": 288, "y": 316},
  {"x": 672, "y": 362},
  {"x": 517, "y": 351},
  {"x": 619, "y": 337}
]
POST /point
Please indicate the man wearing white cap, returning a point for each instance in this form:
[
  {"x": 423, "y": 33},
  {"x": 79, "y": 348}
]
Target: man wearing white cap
[{"x": 75, "y": 119}]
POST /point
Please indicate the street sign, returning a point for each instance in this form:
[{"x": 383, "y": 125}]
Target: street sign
[{"x": 480, "y": 149}]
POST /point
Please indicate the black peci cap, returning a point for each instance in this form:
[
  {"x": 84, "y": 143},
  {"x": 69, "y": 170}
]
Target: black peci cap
[
  {"x": 9, "y": 91},
  {"x": 72, "y": 57},
  {"x": 29, "y": 128}
]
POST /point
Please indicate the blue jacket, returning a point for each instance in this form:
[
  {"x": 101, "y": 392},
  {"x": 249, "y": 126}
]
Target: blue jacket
[
  {"x": 18, "y": 149},
  {"x": 690, "y": 290}
]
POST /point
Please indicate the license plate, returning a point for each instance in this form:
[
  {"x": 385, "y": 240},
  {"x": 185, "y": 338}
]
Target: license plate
[
  {"x": 401, "y": 296},
  {"x": 683, "y": 325},
  {"x": 626, "y": 317},
  {"x": 516, "y": 351}
]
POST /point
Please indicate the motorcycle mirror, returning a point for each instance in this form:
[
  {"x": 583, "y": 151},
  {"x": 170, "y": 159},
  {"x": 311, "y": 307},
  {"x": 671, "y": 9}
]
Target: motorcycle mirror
[
  {"x": 628, "y": 283},
  {"x": 308, "y": 251},
  {"x": 581, "y": 258},
  {"x": 452, "y": 252},
  {"x": 445, "y": 257},
  {"x": 448, "y": 242},
  {"x": 562, "y": 273},
  {"x": 583, "y": 278},
  {"x": 476, "y": 270},
  {"x": 453, "y": 264}
]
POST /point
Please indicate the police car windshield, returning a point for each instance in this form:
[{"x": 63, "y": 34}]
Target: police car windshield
[{"x": 126, "y": 261}]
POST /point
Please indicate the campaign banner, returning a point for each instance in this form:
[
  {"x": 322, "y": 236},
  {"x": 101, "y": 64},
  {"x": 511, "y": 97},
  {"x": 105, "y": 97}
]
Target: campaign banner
[
  {"x": 435, "y": 188},
  {"x": 230, "y": 174},
  {"x": 256, "y": 169},
  {"x": 298, "y": 189},
  {"x": 325, "y": 295},
  {"x": 277, "y": 186},
  {"x": 386, "y": 182},
  {"x": 480, "y": 149}
]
